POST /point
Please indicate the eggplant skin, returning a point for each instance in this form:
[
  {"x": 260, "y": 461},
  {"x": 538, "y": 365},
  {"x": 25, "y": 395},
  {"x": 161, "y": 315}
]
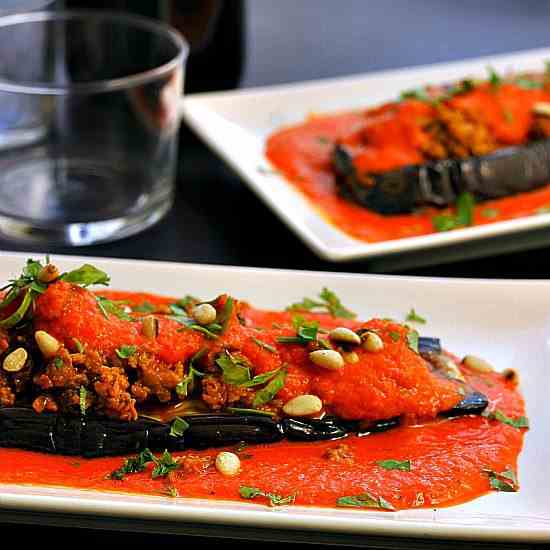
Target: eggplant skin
[{"x": 503, "y": 173}]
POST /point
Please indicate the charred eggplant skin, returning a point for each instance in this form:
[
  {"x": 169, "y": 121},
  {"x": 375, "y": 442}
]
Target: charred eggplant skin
[{"x": 506, "y": 172}]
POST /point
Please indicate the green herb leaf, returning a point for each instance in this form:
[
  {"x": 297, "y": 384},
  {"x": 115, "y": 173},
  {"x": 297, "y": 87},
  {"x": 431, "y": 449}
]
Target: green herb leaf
[
  {"x": 419, "y": 93},
  {"x": 528, "y": 84},
  {"x": 503, "y": 481},
  {"x": 261, "y": 378},
  {"x": 18, "y": 315},
  {"x": 185, "y": 387},
  {"x": 86, "y": 275},
  {"x": 109, "y": 307},
  {"x": 494, "y": 79},
  {"x": 266, "y": 394},
  {"x": 490, "y": 213},
  {"x": 225, "y": 316},
  {"x": 144, "y": 307},
  {"x": 79, "y": 345},
  {"x": 465, "y": 209},
  {"x": 164, "y": 465},
  {"x": 395, "y": 336},
  {"x": 390, "y": 464},
  {"x": 124, "y": 352},
  {"x": 413, "y": 317},
  {"x": 178, "y": 427},
  {"x": 264, "y": 345},
  {"x": 520, "y": 422},
  {"x": 463, "y": 217},
  {"x": 274, "y": 499},
  {"x": 365, "y": 500},
  {"x": 82, "y": 395},
  {"x": 235, "y": 367},
  {"x": 187, "y": 301},
  {"x": 306, "y": 331},
  {"x": 329, "y": 303},
  {"x": 133, "y": 465},
  {"x": 412, "y": 340},
  {"x": 58, "y": 363}
]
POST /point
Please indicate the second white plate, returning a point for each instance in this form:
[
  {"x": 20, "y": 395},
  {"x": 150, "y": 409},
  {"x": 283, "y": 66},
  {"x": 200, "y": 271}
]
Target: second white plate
[{"x": 236, "y": 125}]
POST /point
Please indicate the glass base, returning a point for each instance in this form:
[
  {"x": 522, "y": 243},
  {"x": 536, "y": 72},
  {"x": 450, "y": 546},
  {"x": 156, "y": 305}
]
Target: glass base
[
  {"x": 77, "y": 201},
  {"x": 82, "y": 234}
]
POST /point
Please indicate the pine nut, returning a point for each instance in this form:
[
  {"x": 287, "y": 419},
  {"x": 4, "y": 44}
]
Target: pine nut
[
  {"x": 477, "y": 364},
  {"x": 303, "y": 405},
  {"x": 327, "y": 358},
  {"x": 541, "y": 108},
  {"x": 350, "y": 357},
  {"x": 204, "y": 314},
  {"x": 344, "y": 335},
  {"x": 228, "y": 464},
  {"x": 511, "y": 375},
  {"x": 48, "y": 274},
  {"x": 47, "y": 343},
  {"x": 448, "y": 366},
  {"x": 15, "y": 361},
  {"x": 373, "y": 342},
  {"x": 150, "y": 326}
]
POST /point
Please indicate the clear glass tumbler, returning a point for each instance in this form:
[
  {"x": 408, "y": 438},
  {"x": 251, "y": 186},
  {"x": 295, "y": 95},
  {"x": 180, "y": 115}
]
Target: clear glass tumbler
[{"x": 90, "y": 153}]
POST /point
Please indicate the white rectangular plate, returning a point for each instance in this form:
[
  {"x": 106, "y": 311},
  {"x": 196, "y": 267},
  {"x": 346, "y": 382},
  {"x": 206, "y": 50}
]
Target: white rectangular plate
[
  {"x": 236, "y": 125},
  {"x": 507, "y": 322}
]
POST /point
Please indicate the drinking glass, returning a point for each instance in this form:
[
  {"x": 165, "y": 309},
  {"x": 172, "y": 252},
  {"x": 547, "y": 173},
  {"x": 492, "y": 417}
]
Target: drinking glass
[{"x": 90, "y": 154}]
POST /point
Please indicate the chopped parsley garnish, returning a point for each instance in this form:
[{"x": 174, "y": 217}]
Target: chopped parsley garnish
[
  {"x": 413, "y": 317},
  {"x": 107, "y": 307},
  {"x": 144, "y": 307},
  {"x": 235, "y": 367},
  {"x": 265, "y": 395},
  {"x": 464, "y": 214},
  {"x": 412, "y": 340},
  {"x": 520, "y": 422},
  {"x": 365, "y": 500},
  {"x": 178, "y": 427},
  {"x": 185, "y": 387},
  {"x": 180, "y": 316},
  {"x": 250, "y": 493},
  {"x": 503, "y": 481},
  {"x": 264, "y": 345},
  {"x": 78, "y": 344},
  {"x": 329, "y": 303},
  {"x": 390, "y": 464},
  {"x": 86, "y": 275},
  {"x": 225, "y": 316},
  {"x": 528, "y": 84},
  {"x": 395, "y": 336},
  {"x": 490, "y": 213},
  {"x": 236, "y": 371},
  {"x": 187, "y": 301},
  {"x": 172, "y": 492},
  {"x": 133, "y": 465},
  {"x": 419, "y": 93},
  {"x": 162, "y": 466},
  {"x": 124, "y": 352},
  {"x": 306, "y": 331},
  {"x": 83, "y": 393},
  {"x": 58, "y": 363},
  {"x": 494, "y": 78}
]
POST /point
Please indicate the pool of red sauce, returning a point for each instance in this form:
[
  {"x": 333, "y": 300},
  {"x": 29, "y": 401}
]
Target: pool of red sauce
[
  {"x": 447, "y": 458},
  {"x": 302, "y": 153}
]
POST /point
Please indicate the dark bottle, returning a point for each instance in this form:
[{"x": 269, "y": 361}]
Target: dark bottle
[{"x": 214, "y": 29}]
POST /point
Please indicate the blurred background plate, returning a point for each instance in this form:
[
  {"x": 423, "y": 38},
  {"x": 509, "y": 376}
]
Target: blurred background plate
[{"x": 236, "y": 125}]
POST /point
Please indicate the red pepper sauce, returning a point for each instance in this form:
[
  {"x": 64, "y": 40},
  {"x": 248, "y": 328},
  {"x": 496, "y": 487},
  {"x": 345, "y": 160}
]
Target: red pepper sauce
[
  {"x": 449, "y": 458},
  {"x": 302, "y": 153}
]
